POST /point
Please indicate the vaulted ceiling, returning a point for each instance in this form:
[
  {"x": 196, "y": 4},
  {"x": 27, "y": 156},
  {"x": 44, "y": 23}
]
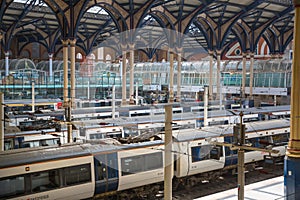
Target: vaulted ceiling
[{"x": 190, "y": 25}]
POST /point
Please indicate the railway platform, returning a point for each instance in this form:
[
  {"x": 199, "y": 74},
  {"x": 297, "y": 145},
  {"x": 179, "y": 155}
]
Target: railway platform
[{"x": 271, "y": 189}]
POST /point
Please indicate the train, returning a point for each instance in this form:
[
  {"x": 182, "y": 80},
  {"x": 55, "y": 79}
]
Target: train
[
  {"x": 129, "y": 171},
  {"x": 124, "y": 127},
  {"x": 35, "y": 138},
  {"x": 128, "y": 126}
]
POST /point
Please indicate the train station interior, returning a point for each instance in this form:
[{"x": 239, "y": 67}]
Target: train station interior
[{"x": 108, "y": 84}]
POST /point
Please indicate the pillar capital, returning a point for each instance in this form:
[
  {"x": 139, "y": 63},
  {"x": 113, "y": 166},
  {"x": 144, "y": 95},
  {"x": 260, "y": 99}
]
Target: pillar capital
[
  {"x": 65, "y": 43},
  {"x": 218, "y": 52},
  {"x": 179, "y": 50},
  {"x": 6, "y": 53},
  {"x": 171, "y": 50},
  {"x": 123, "y": 47},
  {"x": 72, "y": 42},
  {"x": 131, "y": 46},
  {"x": 50, "y": 55}
]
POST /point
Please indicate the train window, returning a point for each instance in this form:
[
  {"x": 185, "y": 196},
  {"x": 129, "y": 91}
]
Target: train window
[
  {"x": 8, "y": 145},
  {"x": 12, "y": 186},
  {"x": 77, "y": 174},
  {"x": 153, "y": 161},
  {"x": 201, "y": 153},
  {"x": 131, "y": 165},
  {"x": 264, "y": 141},
  {"x": 106, "y": 166},
  {"x": 280, "y": 139},
  {"x": 101, "y": 169},
  {"x": 97, "y": 136},
  {"x": 112, "y": 166},
  {"x": 196, "y": 154},
  {"x": 43, "y": 181},
  {"x": 216, "y": 153},
  {"x": 135, "y": 164}
]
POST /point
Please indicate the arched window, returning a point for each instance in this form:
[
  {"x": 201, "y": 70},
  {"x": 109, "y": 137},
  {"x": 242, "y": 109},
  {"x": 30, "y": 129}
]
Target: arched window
[
  {"x": 79, "y": 56},
  {"x": 108, "y": 58},
  {"x": 92, "y": 56}
]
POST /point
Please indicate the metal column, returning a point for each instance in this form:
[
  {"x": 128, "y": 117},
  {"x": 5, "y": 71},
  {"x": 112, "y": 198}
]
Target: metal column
[
  {"x": 124, "y": 88},
  {"x": 50, "y": 55},
  {"x": 65, "y": 63},
  {"x": 244, "y": 75},
  {"x": 168, "y": 154},
  {"x": 218, "y": 74},
  {"x": 171, "y": 92},
  {"x": 6, "y": 63},
  {"x": 179, "y": 58},
  {"x": 211, "y": 64},
  {"x": 1, "y": 122},
  {"x": 251, "y": 75},
  {"x": 73, "y": 80},
  {"x": 292, "y": 159},
  {"x": 131, "y": 65}
]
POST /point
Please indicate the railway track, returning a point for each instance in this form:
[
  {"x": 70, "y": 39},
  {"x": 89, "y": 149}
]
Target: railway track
[{"x": 227, "y": 182}]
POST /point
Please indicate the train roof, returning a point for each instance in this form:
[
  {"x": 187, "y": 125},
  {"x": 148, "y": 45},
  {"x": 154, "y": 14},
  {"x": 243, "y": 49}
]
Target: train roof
[
  {"x": 41, "y": 154},
  {"x": 34, "y": 132},
  {"x": 121, "y": 121},
  {"x": 29, "y": 101},
  {"x": 221, "y": 130},
  {"x": 267, "y": 109}
]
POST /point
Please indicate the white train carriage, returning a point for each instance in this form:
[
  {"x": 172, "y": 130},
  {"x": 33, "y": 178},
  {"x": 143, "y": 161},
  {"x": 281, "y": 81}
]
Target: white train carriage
[
  {"x": 141, "y": 166},
  {"x": 43, "y": 174},
  {"x": 25, "y": 139},
  {"x": 195, "y": 154},
  {"x": 91, "y": 132}
]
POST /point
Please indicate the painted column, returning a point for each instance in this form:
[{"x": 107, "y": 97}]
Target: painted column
[
  {"x": 251, "y": 75},
  {"x": 168, "y": 154},
  {"x": 218, "y": 74},
  {"x": 292, "y": 159},
  {"x": 65, "y": 64},
  {"x": 179, "y": 64},
  {"x": 244, "y": 75},
  {"x": 171, "y": 91},
  {"x": 1, "y": 122},
  {"x": 131, "y": 65},
  {"x": 33, "y": 96},
  {"x": 73, "y": 80},
  {"x": 50, "y": 67},
  {"x": 205, "y": 105},
  {"x": 211, "y": 65},
  {"x": 124, "y": 88},
  {"x": 6, "y": 63},
  {"x": 1, "y": 36}
]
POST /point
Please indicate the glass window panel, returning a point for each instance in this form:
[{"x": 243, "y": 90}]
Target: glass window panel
[
  {"x": 12, "y": 186},
  {"x": 77, "y": 174},
  {"x": 44, "y": 181}
]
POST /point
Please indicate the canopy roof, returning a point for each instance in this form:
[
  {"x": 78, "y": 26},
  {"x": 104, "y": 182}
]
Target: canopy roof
[{"x": 197, "y": 25}]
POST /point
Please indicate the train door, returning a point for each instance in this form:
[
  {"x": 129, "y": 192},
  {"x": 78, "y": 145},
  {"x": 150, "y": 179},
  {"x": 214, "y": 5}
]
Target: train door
[{"x": 106, "y": 173}]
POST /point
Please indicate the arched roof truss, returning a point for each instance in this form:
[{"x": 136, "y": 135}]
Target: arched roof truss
[{"x": 211, "y": 24}]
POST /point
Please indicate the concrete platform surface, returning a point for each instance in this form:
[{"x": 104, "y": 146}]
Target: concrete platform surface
[{"x": 272, "y": 189}]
